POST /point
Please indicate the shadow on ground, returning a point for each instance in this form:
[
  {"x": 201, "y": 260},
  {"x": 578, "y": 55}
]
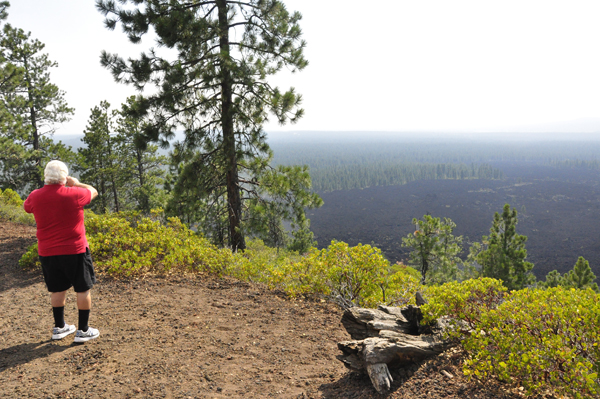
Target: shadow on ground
[{"x": 25, "y": 353}]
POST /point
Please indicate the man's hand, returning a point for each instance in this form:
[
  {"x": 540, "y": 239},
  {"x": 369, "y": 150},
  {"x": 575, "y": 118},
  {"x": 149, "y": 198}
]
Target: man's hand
[{"x": 72, "y": 181}]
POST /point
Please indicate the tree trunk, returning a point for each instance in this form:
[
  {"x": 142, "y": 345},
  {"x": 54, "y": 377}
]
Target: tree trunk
[
  {"x": 102, "y": 187},
  {"x": 234, "y": 201},
  {"x": 33, "y": 120},
  {"x": 112, "y": 172},
  {"x": 388, "y": 337},
  {"x": 103, "y": 194},
  {"x": 424, "y": 264},
  {"x": 144, "y": 201}
]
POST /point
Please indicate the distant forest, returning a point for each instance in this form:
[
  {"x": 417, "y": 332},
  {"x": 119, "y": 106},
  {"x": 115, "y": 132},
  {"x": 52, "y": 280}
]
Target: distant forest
[{"x": 335, "y": 166}]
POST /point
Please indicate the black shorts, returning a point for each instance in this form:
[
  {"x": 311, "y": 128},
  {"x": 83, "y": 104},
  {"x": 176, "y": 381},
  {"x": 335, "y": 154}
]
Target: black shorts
[{"x": 62, "y": 272}]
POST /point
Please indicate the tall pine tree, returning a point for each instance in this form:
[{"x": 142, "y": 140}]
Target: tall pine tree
[
  {"x": 435, "y": 249},
  {"x": 32, "y": 108},
  {"x": 505, "y": 253},
  {"x": 216, "y": 89},
  {"x": 128, "y": 175},
  {"x": 99, "y": 158},
  {"x": 141, "y": 168},
  {"x": 12, "y": 151},
  {"x": 581, "y": 276}
]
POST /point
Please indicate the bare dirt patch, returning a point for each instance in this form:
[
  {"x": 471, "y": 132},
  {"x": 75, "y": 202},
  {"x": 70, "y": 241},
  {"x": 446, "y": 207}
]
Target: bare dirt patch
[{"x": 197, "y": 337}]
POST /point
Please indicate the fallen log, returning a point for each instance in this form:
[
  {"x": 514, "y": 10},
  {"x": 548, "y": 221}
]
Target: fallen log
[{"x": 388, "y": 337}]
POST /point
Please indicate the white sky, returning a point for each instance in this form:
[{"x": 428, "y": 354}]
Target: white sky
[{"x": 385, "y": 65}]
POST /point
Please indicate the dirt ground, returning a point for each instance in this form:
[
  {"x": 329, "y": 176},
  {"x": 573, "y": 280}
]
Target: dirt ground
[{"x": 197, "y": 337}]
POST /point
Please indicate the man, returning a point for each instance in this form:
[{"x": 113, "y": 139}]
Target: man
[{"x": 63, "y": 247}]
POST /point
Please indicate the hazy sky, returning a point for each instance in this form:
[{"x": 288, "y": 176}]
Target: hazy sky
[{"x": 386, "y": 65}]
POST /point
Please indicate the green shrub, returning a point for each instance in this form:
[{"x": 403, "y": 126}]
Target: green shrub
[
  {"x": 260, "y": 263},
  {"x": 127, "y": 244},
  {"x": 11, "y": 208},
  {"x": 30, "y": 260},
  {"x": 465, "y": 303},
  {"x": 305, "y": 277},
  {"x": 358, "y": 275},
  {"x": 541, "y": 339},
  {"x": 355, "y": 273},
  {"x": 10, "y": 197},
  {"x": 400, "y": 286}
]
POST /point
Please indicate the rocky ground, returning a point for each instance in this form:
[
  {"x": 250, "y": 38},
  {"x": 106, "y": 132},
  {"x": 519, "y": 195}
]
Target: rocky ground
[{"x": 192, "y": 337}]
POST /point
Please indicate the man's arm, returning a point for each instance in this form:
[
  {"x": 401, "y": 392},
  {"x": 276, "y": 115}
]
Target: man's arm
[
  {"x": 73, "y": 182},
  {"x": 27, "y": 206}
]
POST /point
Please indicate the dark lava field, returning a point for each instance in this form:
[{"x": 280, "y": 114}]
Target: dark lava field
[{"x": 558, "y": 210}]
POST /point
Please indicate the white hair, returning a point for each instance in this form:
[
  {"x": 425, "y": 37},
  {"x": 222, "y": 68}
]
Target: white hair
[{"x": 56, "y": 172}]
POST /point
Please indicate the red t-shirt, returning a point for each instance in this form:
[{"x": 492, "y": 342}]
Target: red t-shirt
[{"x": 58, "y": 212}]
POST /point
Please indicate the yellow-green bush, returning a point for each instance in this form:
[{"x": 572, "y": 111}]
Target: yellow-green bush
[
  {"x": 127, "y": 244},
  {"x": 541, "y": 339},
  {"x": 400, "y": 287},
  {"x": 259, "y": 263},
  {"x": 357, "y": 274},
  {"x": 30, "y": 259},
  {"x": 305, "y": 277},
  {"x": 10, "y": 197},
  {"x": 11, "y": 208},
  {"x": 463, "y": 302}
]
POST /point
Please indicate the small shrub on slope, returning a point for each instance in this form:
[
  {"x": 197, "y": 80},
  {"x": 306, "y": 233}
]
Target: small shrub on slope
[
  {"x": 465, "y": 303},
  {"x": 127, "y": 244},
  {"x": 541, "y": 339},
  {"x": 260, "y": 263},
  {"x": 400, "y": 286},
  {"x": 30, "y": 259},
  {"x": 350, "y": 275},
  {"x": 11, "y": 208},
  {"x": 10, "y": 197}
]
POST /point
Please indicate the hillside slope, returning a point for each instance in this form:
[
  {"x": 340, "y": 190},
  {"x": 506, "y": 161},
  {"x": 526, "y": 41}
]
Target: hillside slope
[{"x": 197, "y": 337}]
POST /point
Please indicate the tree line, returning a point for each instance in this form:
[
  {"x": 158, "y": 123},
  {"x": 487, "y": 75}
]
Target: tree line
[
  {"x": 388, "y": 173},
  {"x": 349, "y": 165},
  {"x": 442, "y": 150},
  {"x": 592, "y": 164},
  {"x": 128, "y": 177}
]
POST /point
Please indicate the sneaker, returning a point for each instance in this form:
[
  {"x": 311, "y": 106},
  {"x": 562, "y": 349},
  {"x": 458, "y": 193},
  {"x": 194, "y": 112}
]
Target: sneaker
[
  {"x": 83, "y": 336},
  {"x": 60, "y": 333}
]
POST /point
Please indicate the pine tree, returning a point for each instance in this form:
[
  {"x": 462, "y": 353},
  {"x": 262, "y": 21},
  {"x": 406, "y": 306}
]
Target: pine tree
[
  {"x": 10, "y": 76},
  {"x": 140, "y": 167},
  {"x": 217, "y": 90},
  {"x": 4, "y": 9},
  {"x": 581, "y": 276},
  {"x": 302, "y": 238},
  {"x": 504, "y": 257},
  {"x": 99, "y": 158},
  {"x": 32, "y": 107},
  {"x": 553, "y": 279},
  {"x": 435, "y": 249}
]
